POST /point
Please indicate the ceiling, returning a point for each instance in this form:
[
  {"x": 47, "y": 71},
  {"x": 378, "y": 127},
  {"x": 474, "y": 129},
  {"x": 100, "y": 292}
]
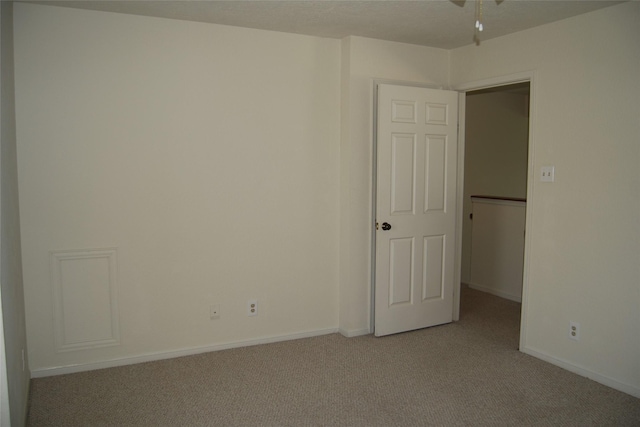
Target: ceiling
[{"x": 443, "y": 24}]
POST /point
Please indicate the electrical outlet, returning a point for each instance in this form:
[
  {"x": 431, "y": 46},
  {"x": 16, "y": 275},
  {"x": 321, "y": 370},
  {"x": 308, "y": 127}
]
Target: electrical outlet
[
  {"x": 252, "y": 307},
  {"x": 214, "y": 311},
  {"x": 574, "y": 331}
]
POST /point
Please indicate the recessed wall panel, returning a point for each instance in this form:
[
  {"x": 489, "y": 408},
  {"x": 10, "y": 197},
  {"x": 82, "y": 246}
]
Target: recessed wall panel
[
  {"x": 401, "y": 271},
  {"x": 85, "y": 299},
  {"x": 435, "y": 173},
  {"x": 437, "y": 114},
  {"x": 403, "y": 149},
  {"x": 433, "y": 267}
]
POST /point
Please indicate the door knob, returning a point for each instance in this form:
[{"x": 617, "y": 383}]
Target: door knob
[{"x": 386, "y": 226}]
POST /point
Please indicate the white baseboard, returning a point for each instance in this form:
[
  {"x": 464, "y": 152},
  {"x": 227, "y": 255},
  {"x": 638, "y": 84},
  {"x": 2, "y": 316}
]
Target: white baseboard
[
  {"x": 150, "y": 357},
  {"x": 602, "y": 379},
  {"x": 516, "y": 298},
  {"x": 354, "y": 333}
]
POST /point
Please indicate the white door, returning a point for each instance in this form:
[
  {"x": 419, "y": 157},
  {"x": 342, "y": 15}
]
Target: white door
[{"x": 415, "y": 207}]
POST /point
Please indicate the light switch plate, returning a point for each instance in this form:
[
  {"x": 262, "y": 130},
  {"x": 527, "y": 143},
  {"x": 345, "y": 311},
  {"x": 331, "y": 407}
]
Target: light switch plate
[{"x": 548, "y": 174}]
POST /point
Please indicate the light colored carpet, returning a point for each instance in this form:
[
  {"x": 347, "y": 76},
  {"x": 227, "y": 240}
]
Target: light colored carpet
[{"x": 468, "y": 373}]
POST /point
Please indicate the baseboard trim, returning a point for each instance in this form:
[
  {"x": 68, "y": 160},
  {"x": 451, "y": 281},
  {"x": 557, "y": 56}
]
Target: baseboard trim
[
  {"x": 150, "y": 357},
  {"x": 500, "y": 294},
  {"x": 354, "y": 333},
  {"x": 576, "y": 369}
]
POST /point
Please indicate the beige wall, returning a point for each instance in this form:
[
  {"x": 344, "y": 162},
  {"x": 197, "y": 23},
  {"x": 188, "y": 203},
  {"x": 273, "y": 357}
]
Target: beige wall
[
  {"x": 496, "y": 143},
  {"x": 583, "y": 229},
  {"x": 227, "y": 164},
  {"x": 363, "y": 61},
  {"x": 15, "y": 375},
  {"x": 207, "y": 155}
]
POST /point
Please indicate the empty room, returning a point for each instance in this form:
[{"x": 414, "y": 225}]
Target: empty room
[{"x": 251, "y": 213}]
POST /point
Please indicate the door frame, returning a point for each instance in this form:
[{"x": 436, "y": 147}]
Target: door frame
[
  {"x": 523, "y": 77},
  {"x": 527, "y": 76}
]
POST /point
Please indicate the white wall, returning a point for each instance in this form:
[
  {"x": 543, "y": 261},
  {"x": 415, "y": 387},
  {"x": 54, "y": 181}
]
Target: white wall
[
  {"x": 495, "y": 163},
  {"x": 210, "y": 156},
  {"x": 497, "y": 247},
  {"x": 15, "y": 385},
  {"x": 207, "y": 155},
  {"x": 583, "y": 229},
  {"x": 363, "y": 61}
]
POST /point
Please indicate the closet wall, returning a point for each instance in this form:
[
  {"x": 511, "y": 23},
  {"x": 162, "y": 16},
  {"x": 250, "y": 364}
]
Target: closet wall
[{"x": 496, "y": 144}]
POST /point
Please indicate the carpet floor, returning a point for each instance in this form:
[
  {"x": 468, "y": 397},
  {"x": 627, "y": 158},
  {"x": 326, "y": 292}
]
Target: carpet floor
[{"x": 467, "y": 373}]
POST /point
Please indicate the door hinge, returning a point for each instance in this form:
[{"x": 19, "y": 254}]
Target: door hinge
[{"x": 377, "y": 226}]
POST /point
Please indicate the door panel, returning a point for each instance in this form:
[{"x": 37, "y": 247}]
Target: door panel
[
  {"x": 416, "y": 195},
  {"x": 400, "y": 279},
  {"x": 435, "y": 173},
  {"x": 403, "y": 149},
  {"x": 433, "y": 256}
]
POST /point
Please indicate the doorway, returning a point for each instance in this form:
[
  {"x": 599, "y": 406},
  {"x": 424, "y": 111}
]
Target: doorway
[
  {"x": 496, "y": 163},
  {"x": 488, "y": 85}
]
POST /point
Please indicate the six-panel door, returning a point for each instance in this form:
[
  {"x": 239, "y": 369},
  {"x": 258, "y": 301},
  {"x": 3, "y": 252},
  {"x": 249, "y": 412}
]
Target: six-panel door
[{"x": 416, "y": 195}]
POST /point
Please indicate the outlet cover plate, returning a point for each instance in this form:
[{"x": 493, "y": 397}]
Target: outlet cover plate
[
  {"x": 252, "y": 307},
  {"x": 574, "y": 331}
]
